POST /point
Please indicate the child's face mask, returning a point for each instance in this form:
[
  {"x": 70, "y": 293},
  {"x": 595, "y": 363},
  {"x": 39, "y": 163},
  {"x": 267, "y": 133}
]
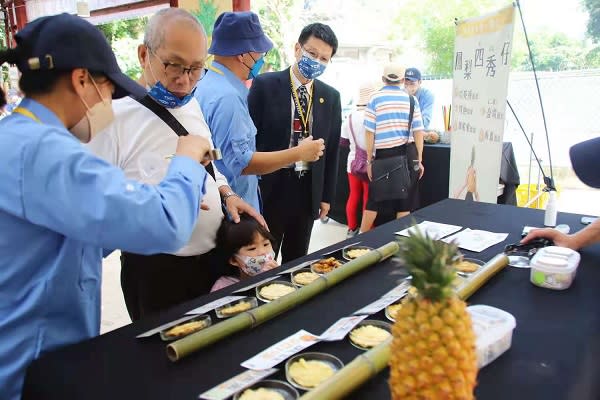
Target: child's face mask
[{"x": 254, "y": 265}]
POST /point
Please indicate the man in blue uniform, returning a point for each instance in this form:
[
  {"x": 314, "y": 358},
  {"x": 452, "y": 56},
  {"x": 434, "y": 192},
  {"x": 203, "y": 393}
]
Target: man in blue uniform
[{"x": 60, "y": 206}]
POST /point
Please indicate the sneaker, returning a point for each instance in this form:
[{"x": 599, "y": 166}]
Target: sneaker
[{"x": 351, "y": 233}]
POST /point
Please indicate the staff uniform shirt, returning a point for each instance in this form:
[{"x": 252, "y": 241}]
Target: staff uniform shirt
[
  {"x": 59, "y": 207},
  {"x": 387, "y": 115},
  {"x": 223, "y": 99},
  {"x": 426, "y": 99},
  {"x": 140, "y": 143},
  {"x": 359, "y": 132}
]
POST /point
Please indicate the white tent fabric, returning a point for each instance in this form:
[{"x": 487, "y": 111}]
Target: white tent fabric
[{"x": 40, "y": 8}]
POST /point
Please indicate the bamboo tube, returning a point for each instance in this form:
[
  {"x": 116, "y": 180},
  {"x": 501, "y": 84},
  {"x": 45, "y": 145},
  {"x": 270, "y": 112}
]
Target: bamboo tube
[
  {"x": 196, "y": 341},
  {"x": 369, "y": 364},
  {"x": 353, "y": 375}
]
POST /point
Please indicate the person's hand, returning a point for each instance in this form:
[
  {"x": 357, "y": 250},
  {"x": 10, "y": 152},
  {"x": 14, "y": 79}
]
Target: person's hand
[
  {"x": 559, "y": 238},
  {"x": 370, "y": 171},
  {"x": 270, "y": 265},
  {"x": 236, "y": 206},
  {"x": 204, "y": 206},
  {"x": 324, "y": 210},
  {"x": 311, "y": 150},
  {"x": 193, "y": 146},
  {"x": 421, "y": 170}
]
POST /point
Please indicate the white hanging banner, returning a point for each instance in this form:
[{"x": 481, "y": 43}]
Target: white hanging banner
[{"x": 482, "y": 53}]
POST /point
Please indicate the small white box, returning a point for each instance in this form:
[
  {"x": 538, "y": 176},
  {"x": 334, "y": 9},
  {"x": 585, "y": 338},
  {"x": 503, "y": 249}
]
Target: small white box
[
  {"x": 554, "y": 267},
  {"x": 493, "y": 329}
]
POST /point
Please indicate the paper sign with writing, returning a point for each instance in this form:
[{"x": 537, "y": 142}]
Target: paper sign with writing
[
  {"x": 281, "y": 351},
  {"x": 235, "y": 384},
  {"x": 213, "y": 304},
  {"x": 340, "y": 329}
]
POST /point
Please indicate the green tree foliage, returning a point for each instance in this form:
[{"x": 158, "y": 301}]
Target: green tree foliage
[
  {"x": 122, "y": 29},
  {"x": 430, "y": 26},
  {"x": 124, "y": 36},
  {"x": 555, "y": 52},
  {"x": 206, "y": 14},
  {"x": 593, "y": 25}
]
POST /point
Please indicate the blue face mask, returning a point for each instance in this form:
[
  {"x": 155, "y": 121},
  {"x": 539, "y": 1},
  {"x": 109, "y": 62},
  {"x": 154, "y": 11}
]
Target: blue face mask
[
  {"x": 167, "y": 99},
  {"x": 254, "y": 71},
  {"x": 309, "y": 67}
]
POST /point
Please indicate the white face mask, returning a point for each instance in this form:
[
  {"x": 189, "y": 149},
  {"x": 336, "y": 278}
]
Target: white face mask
[
  {"x": 254, "y": 265},
  {"x": 95, "y": 120}
]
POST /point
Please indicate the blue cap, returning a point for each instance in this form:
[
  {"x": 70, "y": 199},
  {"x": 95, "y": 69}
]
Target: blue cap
[
  {"x": 64, "y": 42},
  {"x": 412, "y": 74},
  {"x": 237, "y": 33},
  {"x": 584, "y": 157}
]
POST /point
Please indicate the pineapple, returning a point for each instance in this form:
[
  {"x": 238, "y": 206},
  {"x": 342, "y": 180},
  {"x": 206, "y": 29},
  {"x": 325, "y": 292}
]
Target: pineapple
[{"x": 432, "y": 355}]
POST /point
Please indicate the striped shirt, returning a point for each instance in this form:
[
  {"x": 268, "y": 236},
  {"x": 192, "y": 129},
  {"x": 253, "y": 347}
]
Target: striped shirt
[{"x": 387, "y": 115}]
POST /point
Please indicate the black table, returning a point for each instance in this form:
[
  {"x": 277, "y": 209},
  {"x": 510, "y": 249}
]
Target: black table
[
  {"x": 433, "y": 187},
  {"x": 555, "y": 351}
]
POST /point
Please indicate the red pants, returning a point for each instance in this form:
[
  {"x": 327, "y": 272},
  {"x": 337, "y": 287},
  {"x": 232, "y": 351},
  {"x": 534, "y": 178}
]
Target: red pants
[{"x": 358, "y": 189}]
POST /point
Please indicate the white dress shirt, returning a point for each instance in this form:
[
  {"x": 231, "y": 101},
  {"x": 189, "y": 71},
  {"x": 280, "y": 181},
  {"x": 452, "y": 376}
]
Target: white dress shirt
[{"x": 140, "y": 143}]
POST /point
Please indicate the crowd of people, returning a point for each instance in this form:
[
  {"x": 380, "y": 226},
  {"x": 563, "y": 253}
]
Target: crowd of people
[{"x": 98, "y": 162}]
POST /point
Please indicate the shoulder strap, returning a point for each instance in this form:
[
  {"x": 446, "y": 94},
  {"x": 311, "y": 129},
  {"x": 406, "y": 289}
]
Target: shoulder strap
[
  {"x": 412, "y": 111},
  {"x": 169, "y": 119},
  {"x": 352, "y": 131}
]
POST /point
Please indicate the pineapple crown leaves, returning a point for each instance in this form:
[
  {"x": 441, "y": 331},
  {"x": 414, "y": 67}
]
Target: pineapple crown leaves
[{"x": 431, "y": 264}]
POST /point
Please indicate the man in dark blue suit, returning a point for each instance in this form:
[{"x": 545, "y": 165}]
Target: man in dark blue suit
[{"x": 287, "y": 107}]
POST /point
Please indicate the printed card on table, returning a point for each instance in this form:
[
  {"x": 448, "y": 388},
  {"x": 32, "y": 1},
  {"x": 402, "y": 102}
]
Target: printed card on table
[
  {"x": 281, "y": 351},
  {"x": 476, "y": 240},
  {"x": 213, "y": 304},
  {"x": 235, "y": 384},
  {"x": 434, "y": 230},
  {"x": 340, "y": 329}
]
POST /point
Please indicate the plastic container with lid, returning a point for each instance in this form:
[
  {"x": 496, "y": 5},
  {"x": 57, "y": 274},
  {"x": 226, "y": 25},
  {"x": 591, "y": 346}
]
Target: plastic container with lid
[
  {"x": 554, "y": 267},
  {"x": 493, "y": 329}
]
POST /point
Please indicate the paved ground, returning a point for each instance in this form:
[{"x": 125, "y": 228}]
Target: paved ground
[{"x": 114, "y": 314}]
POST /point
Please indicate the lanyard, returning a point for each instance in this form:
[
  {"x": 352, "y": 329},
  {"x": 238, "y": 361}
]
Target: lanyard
[
  {"x": 303, "y": 118},
  {"x": 27, "y": 113}
]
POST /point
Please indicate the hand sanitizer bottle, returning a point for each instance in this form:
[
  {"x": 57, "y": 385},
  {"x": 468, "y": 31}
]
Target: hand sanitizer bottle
[{"x": 551, "y": 209}]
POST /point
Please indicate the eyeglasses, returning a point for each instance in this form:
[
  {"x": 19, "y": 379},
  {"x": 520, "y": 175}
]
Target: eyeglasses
[
  {"x": 175, "y": 70},
  {"x": 315, "y": 56}
]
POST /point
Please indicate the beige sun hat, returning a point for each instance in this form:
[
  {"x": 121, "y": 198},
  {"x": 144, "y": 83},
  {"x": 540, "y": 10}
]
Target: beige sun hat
[{"x": 393, "y": 72}]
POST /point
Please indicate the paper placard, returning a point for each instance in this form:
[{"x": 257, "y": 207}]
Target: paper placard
[
  {"x": 299, "y": 266},
  {"x": 213, "y": 304},
  {"x": 235, "y": 384},
  {"x": 434, "y": 230},
  {"x": 399, "y": 290},
  {"x": 340, "y": 329},
  {"x": 163, "y": 327},
  {"x": 281, "y": 351},
  {"x": 476, "y": 240},
  {"x": 256, "y": 284},
  {"x": 380, "y": 304}
]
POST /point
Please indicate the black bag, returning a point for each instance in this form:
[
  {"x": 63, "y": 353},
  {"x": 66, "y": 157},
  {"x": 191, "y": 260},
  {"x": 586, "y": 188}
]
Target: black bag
[{"x": 393, "y": 177}]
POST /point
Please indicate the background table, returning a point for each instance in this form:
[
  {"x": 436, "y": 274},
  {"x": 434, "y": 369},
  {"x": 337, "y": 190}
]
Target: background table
[
  {"x": 433, "y": 187},
  {"x": 555, "y": 352}
]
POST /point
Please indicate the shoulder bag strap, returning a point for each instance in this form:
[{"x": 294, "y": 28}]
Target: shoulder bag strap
[{"x": 169, "y": 119}]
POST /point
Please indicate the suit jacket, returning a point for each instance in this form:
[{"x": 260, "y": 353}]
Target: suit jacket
[{"x": 269, "y": 102}]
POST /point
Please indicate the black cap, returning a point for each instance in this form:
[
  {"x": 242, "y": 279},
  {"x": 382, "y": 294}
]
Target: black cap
[
  {"x": 584, "y": 157},
  {"x": 64, "y": 42}
]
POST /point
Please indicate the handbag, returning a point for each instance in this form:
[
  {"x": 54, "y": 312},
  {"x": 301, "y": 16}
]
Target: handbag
[
  {"x": 392, "y": 177},
  {"x": 358, "y": 166}
]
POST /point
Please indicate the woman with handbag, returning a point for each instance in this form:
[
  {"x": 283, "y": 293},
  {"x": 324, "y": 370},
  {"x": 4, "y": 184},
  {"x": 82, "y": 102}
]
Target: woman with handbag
[
  {"x": 353, "y": 134},
  {"x": 394, "y": 144}
]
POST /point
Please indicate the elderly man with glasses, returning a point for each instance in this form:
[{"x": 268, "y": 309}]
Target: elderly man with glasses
[
  {"x": 239, "y": 46},
  {"x": 141, "y": 141}
]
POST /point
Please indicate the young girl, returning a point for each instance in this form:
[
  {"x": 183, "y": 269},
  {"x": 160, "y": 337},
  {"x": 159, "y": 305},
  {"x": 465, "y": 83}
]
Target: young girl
[{"x": 246, "y": 250}]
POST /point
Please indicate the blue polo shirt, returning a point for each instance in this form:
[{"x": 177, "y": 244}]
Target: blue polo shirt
[
  {"x": 60, "y": 206},
  {"x": 426, "y": 99},
  {"x": 223, "y": 99}
]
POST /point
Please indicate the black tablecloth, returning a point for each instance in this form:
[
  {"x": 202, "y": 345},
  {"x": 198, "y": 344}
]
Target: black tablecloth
[
  {"x": 555, "y": 351},
  {"x": 433, "y": 187}
]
